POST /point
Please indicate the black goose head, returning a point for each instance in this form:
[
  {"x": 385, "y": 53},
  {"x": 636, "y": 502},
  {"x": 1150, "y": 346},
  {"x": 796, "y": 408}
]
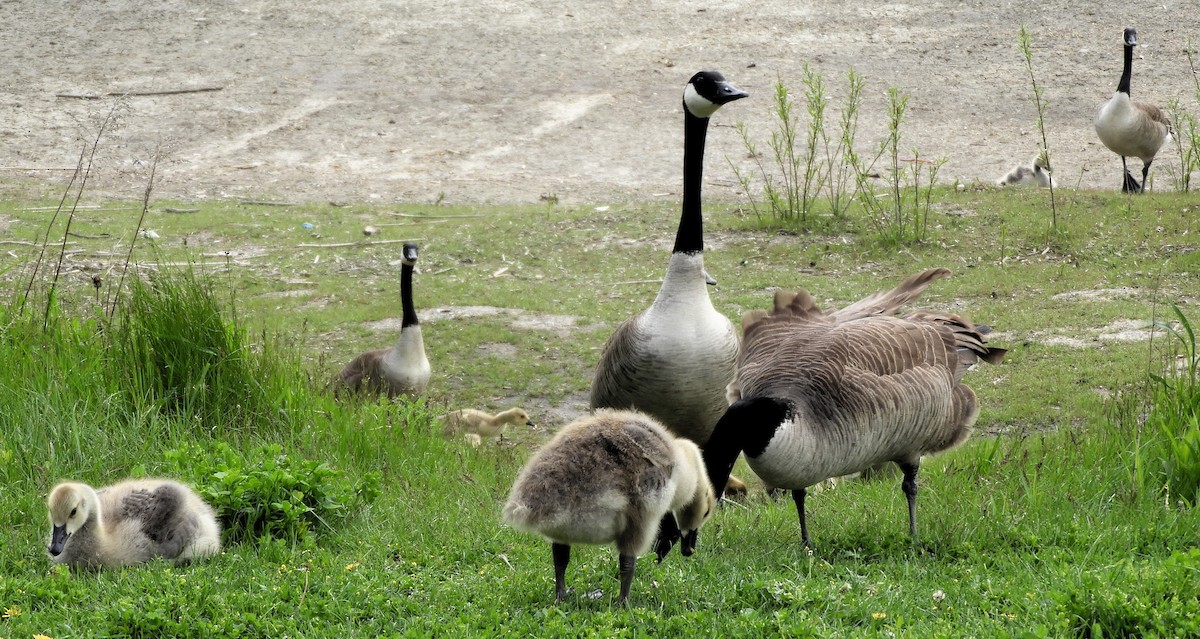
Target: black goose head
[
  {"x": 707, "y": 91},
  {"x": 1130, "y": 37},
  {"x": 409, "y": 256}
]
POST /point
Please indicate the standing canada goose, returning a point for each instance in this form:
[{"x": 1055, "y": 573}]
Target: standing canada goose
[
  {"x": 822, "y": 395},
  {"x": 674, "y": 359},
  {"x": 1131, "y": 128},
  {"x": 1036, "y": 174},
  {"x": 610, "y": 478},
  {"x": 402, "y": 369},
  {"x": 129, "y": 523},
  {"x": 470, "y": 421}
]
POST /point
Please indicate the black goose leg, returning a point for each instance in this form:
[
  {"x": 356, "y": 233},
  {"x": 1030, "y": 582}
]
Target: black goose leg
[
  {"x": 910, "y": 491},
  {"x": 562, "y": 557},
  {"x": 798, "y": 497},
  {"x": 1145, "y": 174},
  {"x": 1129, "y": 183},
  {"x": 627, "y": 564}
]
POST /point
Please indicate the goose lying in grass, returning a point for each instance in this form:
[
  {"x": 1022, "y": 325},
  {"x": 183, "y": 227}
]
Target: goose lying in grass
[
  {"x": 822, "y": 395},
  {"x": 469, "y": 421},
  {"x": 130, "y": 522},
  {"x": 402, "y": 369},
  {"x": 610, "y": 478}
]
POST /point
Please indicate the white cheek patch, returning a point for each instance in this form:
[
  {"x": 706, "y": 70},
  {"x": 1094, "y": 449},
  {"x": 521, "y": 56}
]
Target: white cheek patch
[{"x": 697, "y": 104}]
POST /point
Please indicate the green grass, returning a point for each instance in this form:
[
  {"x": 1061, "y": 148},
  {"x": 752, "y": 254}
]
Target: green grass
[{"x": 1047, "y": 523}]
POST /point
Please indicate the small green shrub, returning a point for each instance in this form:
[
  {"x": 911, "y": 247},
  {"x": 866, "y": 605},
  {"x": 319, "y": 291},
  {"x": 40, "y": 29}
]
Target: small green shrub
[
  {"x": 801, "y": 169},
  {"x": 1135, "y": 599},
  {"x": 271, "y": 494},
  {"x": 899, "y": 214},
  {"x": 1187, "y": 134},
  {"x": 178, "y": 353},
  {"x": 1024, "y": 43},
  {"x": 1175, "y": 418}
]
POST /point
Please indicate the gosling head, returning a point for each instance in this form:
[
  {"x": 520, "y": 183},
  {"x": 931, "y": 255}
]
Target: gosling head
[
  {"x": 518, "y": 416},
  {"x": 71, "y": 506},
  {"x": 707, "y": 91},
  {"x": 409, "y": 256}
]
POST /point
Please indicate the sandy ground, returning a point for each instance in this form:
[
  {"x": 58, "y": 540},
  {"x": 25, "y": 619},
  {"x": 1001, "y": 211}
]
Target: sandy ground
[{"x": 508, "y": 101}]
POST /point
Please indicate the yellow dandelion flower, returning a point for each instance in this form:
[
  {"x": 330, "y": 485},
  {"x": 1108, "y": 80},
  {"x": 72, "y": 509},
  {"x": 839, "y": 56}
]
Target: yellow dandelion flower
[
  {"x": 11, "y": 612},
  {"x": 878, "y": 615},
  {"x": 42, "y": 637},
  {"x": 352, "y": 566}
]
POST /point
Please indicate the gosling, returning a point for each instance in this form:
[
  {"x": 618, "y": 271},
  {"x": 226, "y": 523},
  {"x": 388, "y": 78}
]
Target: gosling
[
  {"x": 469, "y": 421},
  {"x": 610, "y": 478},
  {"x": 129, "y": 523},
  {"x": 1036, "y": 174}
]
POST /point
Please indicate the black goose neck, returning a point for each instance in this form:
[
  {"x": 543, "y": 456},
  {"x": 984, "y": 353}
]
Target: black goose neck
[
  {"x": 748, "y": 425},
  {"x": 410, "y": 311},
  {"x": 1127, "y": 72},
  {"x": 690, "y": 236}
]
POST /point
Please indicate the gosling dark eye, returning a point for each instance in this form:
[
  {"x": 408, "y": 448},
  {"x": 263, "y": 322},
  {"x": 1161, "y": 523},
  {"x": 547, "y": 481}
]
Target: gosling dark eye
[{"x": 72, "y": 512}]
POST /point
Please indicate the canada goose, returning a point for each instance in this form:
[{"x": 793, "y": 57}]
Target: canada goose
[
  {"x": 470, "y": 421},
  {"x": 129, "y": 523},
  {"x": 402, "y": 369},
  {"x": 674, "y": 359},
  {"x": 1036, "y": 174},
  {"x": 1131, "y": 128},
  {"x": 610, "y": 478},
  {"x": 822, "y": 395}
]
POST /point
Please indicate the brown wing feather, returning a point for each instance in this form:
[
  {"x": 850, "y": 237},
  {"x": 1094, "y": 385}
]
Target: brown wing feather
[
  {"x": 363, "y": 374},
  {"x": 890, "y": 302},
  {"x": 1156, "y": 114}
]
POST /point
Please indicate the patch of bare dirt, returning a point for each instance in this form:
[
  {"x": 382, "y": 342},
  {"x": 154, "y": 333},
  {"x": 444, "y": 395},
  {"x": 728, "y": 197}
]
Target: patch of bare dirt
[
  {"x": 499, "y": 350},
  {"x": 416, "y": 100},
  {"x": 561, "y": 325},
  {"x": 1124, "y": 330}
]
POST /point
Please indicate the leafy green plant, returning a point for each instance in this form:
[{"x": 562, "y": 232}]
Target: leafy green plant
[
  {"x": 1186, "y": 138},
  {"x": 899, "y": 215},
  {"x": 839, "y": 169},
  {"x": 1187, "y": 134},
  {"x": 177, "y": 351},
  {"x": 1175, "y": 417},
  {"x": 801, "y": 170},
  {"x": 267, "y": 493},
  {"x": 1134, "y": 599},
  {"x": 1025, "y": 44}
]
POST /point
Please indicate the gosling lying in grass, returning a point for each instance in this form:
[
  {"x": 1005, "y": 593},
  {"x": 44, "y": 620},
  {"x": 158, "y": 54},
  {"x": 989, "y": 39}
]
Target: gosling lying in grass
[
  {"x": 610, "y": 478},
  {"x": 128, "y": 523},
  {"x": 1037, "y": 173}
]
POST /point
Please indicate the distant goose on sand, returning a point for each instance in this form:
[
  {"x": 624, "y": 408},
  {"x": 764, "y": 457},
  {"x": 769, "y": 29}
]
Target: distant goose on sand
[{"x": 1131, "y": 128}]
